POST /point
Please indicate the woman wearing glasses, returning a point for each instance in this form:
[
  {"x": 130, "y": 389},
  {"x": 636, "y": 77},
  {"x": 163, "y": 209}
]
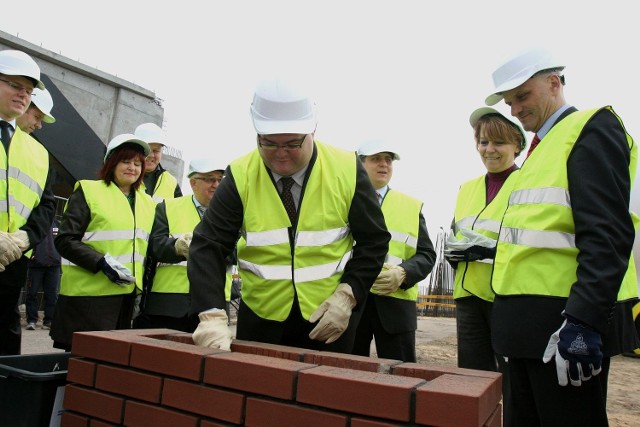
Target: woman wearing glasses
[{"x": 103, "y": 240}]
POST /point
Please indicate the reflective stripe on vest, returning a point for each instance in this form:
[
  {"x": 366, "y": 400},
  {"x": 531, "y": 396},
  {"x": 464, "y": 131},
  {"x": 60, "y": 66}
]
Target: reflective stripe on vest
[
  {"x": 536, "y": 252},
  {"x": 269, "y": 273},
  {"x": 473, "y": 212},
  {"x": 113, "y": 229},
  {"x": 22, "y": 187},
  {"x": 401, "y": 214}
]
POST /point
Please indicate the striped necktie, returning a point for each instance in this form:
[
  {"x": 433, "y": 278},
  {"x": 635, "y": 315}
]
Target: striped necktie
[{"x": 201, "y": 210}]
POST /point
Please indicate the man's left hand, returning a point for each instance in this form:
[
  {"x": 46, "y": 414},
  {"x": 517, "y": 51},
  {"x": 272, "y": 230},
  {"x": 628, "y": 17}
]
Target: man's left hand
[{"x": 578, "y": 352}]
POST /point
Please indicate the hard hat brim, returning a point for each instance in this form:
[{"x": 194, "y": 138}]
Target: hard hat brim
[{"x": 270, "y": 127}]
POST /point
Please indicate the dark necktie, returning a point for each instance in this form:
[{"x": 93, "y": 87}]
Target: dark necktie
[
  {"x": 201, "y": 210},
  {"x": 534, "y": 144},
  {"x": 379, "y": 198},
  {"x": 5, "y": 134},
  {"x": 287, "y": 198}
]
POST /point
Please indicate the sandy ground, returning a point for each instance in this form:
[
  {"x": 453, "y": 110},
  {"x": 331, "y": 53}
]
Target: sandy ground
[{"x": 436, "y": 343}]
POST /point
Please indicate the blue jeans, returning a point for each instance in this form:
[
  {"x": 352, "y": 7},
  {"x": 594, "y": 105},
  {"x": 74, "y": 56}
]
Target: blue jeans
[{"x": 47, "y": 278}]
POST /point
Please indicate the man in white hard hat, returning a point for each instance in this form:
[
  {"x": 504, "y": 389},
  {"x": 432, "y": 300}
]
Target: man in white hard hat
[
  {"x": 159, "y": 183},
  {"x": 390, "y": 313},
  {"x": 313, "y": 235},
  {"x": 44, "y": 264},
  {"x": 166, "y": 293},
  {"x": 28, "y": 204},
  {"x": 38, "y": 111},
  {"x": 563, "y": 274}
]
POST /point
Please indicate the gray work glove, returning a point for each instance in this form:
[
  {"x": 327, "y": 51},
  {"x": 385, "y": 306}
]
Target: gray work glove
[
  {"x": 9, "y": 250},
  {"x": 115, "y": 271},
  {"x": 473, "y": 246},
  {"x": 389, "y": 279},
  {"x": 182, "y": 245},
  {"x": 333, "y": 315}
]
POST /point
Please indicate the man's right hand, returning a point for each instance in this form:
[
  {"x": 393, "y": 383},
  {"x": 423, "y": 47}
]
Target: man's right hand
[
  {"x": 213, "y": 330},
  {"x": 182, "y": 245},
  {"x": 9, "y": 250}
]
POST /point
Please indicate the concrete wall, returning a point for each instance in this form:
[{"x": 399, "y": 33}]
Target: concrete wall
[{"x": 108, "y": 104}]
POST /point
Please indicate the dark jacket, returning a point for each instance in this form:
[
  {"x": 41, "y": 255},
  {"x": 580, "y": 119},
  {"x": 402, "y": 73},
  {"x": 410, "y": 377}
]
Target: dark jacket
[{"x": 45, "y": 253}]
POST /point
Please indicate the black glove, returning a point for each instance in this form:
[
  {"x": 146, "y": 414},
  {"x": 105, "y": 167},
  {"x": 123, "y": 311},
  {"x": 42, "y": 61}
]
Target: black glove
[
  {"x": 473, "y": 253},
  {"x": 578, "y": 352},
  {"x": 114, "y": 275}
]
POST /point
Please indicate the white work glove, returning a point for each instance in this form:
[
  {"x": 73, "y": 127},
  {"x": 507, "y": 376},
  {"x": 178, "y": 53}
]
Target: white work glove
[
  {"x": 473, "y": 246},
  {"x": 9, "y": 250},
  {"x": 389, "y": 279},
  {"x": 20, "y": 238},
  {"x": 116, "y": 272},
  {"x": 213, "y": 330},
  {"x": 578, "y": 352},
  {"x": 182, "y": 245},
  {"x": 333, "y": 315}
]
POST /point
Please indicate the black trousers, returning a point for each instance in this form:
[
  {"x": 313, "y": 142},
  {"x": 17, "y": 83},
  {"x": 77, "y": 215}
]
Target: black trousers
[
  {"x": 400, "y": 346},
  {"x": 538, "y": 400},
  {"x": 10, "y": 330}
]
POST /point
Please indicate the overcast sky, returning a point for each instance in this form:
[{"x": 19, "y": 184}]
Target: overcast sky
[{"x": 410, "y": 72}]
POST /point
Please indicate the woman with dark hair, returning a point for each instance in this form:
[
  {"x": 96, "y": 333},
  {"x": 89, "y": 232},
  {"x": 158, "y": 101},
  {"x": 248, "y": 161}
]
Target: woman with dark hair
[{"x": 103, "y": 240}]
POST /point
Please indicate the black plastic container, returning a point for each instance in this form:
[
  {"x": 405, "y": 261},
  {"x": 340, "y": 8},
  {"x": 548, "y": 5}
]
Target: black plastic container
[{"x": 28, "y": 386}]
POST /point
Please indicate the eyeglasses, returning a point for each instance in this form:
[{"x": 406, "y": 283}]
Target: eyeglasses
[
  {"x": 17, "y": 87},
  {"x": 208, "y": 179},
  {"x": 267, "y": 145}
]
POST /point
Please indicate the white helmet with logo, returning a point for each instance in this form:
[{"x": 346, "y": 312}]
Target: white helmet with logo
[
  {"x": 41, "y": 98},
  {"x": 123, "y": 138},
  {"x": 151, "y": 133},
  {"x": 279, "y": 107},
  {"x": 18, "y": 63},
  {"x": 518, "y": 69}
]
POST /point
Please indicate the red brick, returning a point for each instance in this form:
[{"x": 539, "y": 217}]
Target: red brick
[
  {"x": 143, "y": 415},
  {"x": 350, "y": 361},
  {"x": 495, "y": 419},
  {"x": 129, "y": 382},
  {"x": 207, "y": 401},
  {"x": 254, "y": 373},
  {"x": 155, "y": 333},
  {"x": 99, "y": 423},
  {"x": 171, "y": 358},
  {"x": 93, "y": 403},
  {"x": 431, "y": 372},
  {"x": 457, "y": 400},
  {"x": 71, "y": 419},
  {"x": 106, "y": 346},
  {"x": 360, "y": 392},
  {"x": 268, "y": 413},
  {"x": 183, "y": 337},
  {"x": 361, "y": 422},
  {"x": 271, "y": 350},
  {"x": 81, "y": 371}
]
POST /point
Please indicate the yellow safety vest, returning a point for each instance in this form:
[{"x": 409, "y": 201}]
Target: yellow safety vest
[
  {"x": 269, "y": 267},
  {"x": 473, "y": 212},
  {"x": 182, "y": 217},
  {"x": 113, "y": 229},
  {"x": 22, "y": 180},
  {"x": 401, "y": 214},
  {"x": 165, "y": 187},
  {"x": 536, "y": 251}
]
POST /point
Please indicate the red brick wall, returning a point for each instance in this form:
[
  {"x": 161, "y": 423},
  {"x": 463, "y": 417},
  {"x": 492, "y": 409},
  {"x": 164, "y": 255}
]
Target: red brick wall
[{"x": 157, "y": 377}]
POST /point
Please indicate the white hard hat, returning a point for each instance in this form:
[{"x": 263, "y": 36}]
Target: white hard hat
[
  {"x": 18, "y": 63},
  {"x": 123, "y": 138},
  {"x": 483, "y": 111},
  {"x": 376, "y": 146},
  {"x": 42, "y": 99},
  {"x": 278, "y": 107},
  {"x": 151, "y": 133},
  {"x": 518, "y": 69},
  {"x": 203, "y": 166}
]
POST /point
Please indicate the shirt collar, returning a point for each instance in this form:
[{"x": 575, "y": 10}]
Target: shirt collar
[
  {"x": 298, "y": 177},
  {"x": 383, "y": 191},
  {"x": 546, "y": 127}
]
